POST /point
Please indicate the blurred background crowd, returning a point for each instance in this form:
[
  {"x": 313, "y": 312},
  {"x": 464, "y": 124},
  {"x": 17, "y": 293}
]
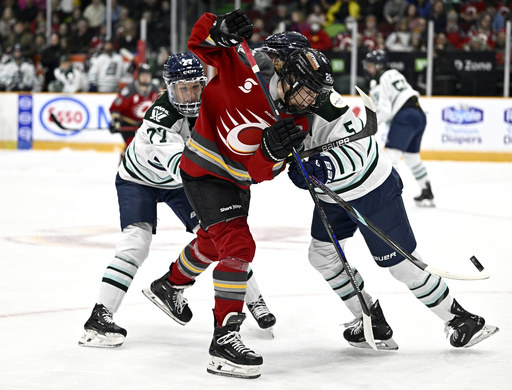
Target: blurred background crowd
[{"x": 30, "y": 55}]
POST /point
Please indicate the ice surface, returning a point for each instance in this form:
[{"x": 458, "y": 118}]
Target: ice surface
[{"x": 59, "y": 227}]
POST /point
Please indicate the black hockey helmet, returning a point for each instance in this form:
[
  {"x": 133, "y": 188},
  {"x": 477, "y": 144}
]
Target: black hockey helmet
[
  {"x": 181, "y": 69},
  {"x": 284, "y": 43},
  {"x": 310, "y": 71},
  {"x": 378, "y": 57}
]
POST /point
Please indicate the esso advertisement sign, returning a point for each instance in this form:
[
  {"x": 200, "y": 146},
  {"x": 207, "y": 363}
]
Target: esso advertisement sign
[
  {"x": 70, "y": 112},
  {"x": 82, "y": 117}
]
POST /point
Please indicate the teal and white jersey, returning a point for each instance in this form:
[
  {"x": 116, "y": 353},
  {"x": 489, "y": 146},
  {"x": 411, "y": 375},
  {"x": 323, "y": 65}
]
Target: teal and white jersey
[
  {"x": 390, "y": 93},
  {"x": 360, "y": 166},
  {"x": 153, "y": 157}
]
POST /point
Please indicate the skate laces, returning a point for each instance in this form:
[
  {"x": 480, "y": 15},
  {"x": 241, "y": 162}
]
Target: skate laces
[
  {"x": 179, "y": 301},
  {"x": 107, "y": 316},
  {"x": 355, "y": 326},
  {"x": 258, "y": 308},
  {"x": 234, "y": 339}
]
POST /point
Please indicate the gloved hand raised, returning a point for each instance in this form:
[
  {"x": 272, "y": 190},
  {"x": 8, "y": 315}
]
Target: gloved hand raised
[
  {"x": 230, "y": 29},
  {"x": 319, "y": 166},
  {"x": 279, "y": 139}
]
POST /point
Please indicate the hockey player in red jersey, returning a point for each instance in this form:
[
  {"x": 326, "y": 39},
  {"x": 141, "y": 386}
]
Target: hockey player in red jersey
[
  {"x": 131, "y": 104},
  {"x": 237, "y": 141}
]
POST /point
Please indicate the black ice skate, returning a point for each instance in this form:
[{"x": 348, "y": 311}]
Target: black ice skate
[
  {"x": 228, "y": 354},
  {"x": 382, "y": 332},
  {"x": 467, "y": 329},
  {"x": 426, "y": 198},
  {"x": 261, "y": 314},
  {"x": 169, "y": 298},
  {"x": 101, "y": 330}
]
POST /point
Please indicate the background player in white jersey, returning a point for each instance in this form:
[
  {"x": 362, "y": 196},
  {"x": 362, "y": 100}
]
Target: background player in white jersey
[
  {"x": 68, "y": 78},
  {"x": 149, "y": 175},
  {"x": 132, "y": 102},
  {"x": 398, "y": 107},
  {"x": 365, "y": 177},
  {"x": 106, "y": 69}
]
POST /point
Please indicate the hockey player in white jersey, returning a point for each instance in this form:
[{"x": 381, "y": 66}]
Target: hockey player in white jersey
[
  {"x": 364, "y": 176},
  {"x": 148, "y": 175},
  {"x": 68, "y": 78},
  {"x": 398, "y": 107},
  {"x": 106, "y": 69}
]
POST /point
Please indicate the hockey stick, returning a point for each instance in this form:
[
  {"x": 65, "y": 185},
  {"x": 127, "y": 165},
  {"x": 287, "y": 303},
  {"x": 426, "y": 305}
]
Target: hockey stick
[
  {"x": 392, "y": 243},
  {"x": 367, "y": 320},
  {"x": 61, "y": 126}
]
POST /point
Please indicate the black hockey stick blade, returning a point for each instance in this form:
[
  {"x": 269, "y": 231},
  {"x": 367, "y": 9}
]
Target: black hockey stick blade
[
  {"x": 62, "y": 127},
  {"x": 388, "y": 240},
  {"x": 369, "y": 129}
]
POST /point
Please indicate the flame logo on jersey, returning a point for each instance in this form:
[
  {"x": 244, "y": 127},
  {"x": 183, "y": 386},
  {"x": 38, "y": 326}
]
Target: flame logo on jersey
[{"x": 243, "y": 138}]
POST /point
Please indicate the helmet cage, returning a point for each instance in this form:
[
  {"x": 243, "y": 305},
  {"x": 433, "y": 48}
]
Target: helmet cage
[
  {"x": 180, "y": 69},
  {"x": 309, "y": 75},
  {"x": 189, "y": 108}
]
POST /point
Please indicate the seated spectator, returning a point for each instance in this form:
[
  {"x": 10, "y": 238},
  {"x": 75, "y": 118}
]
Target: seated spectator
[
  {"x": 484, "y": 27},
  {"x": 394, "y": 10},
  {"x": 28, "y": 12},
  {"x": 95, "y": 14},
  {"x": 68, "y": 78},
  {"x": 477, "y": 43},
  {"x": 19, "y": 73},
  {"x": 299, "y": 23},
  {"x": 127, "y": 36},
  {"x": 23, "y": 37},
  {"x": 455, "y": 35},
  {"x": 340, "y": 10},
  {"x": 370, "y": 29},
  {"x": 318, "y": 38},
  {"x": 7, "y": 22},
  {"x": 424, "y": 9},
  {"x": 438, "y": 16},
  {"x": 82, "y": 36},
  {"x": 278, "y": 19},
  {"x": 470, "y": 10},
  {"x": 400, "y": 40}
]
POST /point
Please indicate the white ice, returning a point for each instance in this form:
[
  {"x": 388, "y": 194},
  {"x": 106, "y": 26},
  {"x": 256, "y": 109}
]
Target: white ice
[{"x": 58, "y": 230}]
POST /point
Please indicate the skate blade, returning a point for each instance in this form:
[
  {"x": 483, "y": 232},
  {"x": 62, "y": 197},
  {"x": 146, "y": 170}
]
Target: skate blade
[
  {"x": 485, "y": 332},
  {"x": 153, "y": 298},
  {"x": 425, "y": 203},
  {"x": 220, "y": 366},
  {"x": 382, "y": 345},
  {"x": 92, "y": 338}
]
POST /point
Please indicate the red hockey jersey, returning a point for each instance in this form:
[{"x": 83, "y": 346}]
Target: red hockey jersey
[
  {"x": 132, "y": 104},
  {"x": 234, "y": 111}
]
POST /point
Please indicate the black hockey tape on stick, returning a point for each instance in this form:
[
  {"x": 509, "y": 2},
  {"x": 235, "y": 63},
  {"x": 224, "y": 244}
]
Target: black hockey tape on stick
[
  {"x": 477, "y": 264},
  {"x": 367, "y": 320}
]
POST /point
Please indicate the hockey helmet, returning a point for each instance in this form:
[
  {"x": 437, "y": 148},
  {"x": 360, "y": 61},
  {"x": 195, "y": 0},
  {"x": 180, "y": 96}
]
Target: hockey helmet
[
  {"x": 308, "y": 73},
  {"x": 185, "y": 79},
  {"x": 281, "y": 45},
  {"x": 378, "y": 57}
]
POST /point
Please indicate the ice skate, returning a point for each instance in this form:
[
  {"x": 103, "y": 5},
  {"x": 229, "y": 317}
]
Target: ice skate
[
  {"x": 101, "y": 330},
  {"x": 382, "y": 332},
  {"x": 260, "y": 312},
  {"x": 467, "y": 329},
  {"x": 169, "y": 298},
  {"x": 228, "y": 354},
  {"x": 426, "y": 198}
]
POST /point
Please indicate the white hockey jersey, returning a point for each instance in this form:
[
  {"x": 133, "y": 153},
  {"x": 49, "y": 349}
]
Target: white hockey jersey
[
  {"x": 106, "y": 72},
  {"x": 390, "y": 93},
  {"x": 153, "y": 157},
  {"x": 360, "y": 166}
]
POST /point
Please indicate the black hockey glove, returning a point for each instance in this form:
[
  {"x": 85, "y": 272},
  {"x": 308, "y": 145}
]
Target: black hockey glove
[
  {"x": 230, "y": 29},
  {"x": 319, "y": 166},
  {"x": 115, "y": 125},
  {"x": 279, "y": 139}
]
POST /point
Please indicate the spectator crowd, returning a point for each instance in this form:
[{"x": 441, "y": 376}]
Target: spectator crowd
[{"x": 29, "y": 63}]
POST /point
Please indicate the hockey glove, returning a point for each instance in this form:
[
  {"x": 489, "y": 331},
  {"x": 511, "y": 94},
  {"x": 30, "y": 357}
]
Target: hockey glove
[
  {"x": 319, "y": 166},
  {"x": 279, "y": 139},
  {"x": 115, "y": 125},
  {"x": 230, "y": 29}
]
